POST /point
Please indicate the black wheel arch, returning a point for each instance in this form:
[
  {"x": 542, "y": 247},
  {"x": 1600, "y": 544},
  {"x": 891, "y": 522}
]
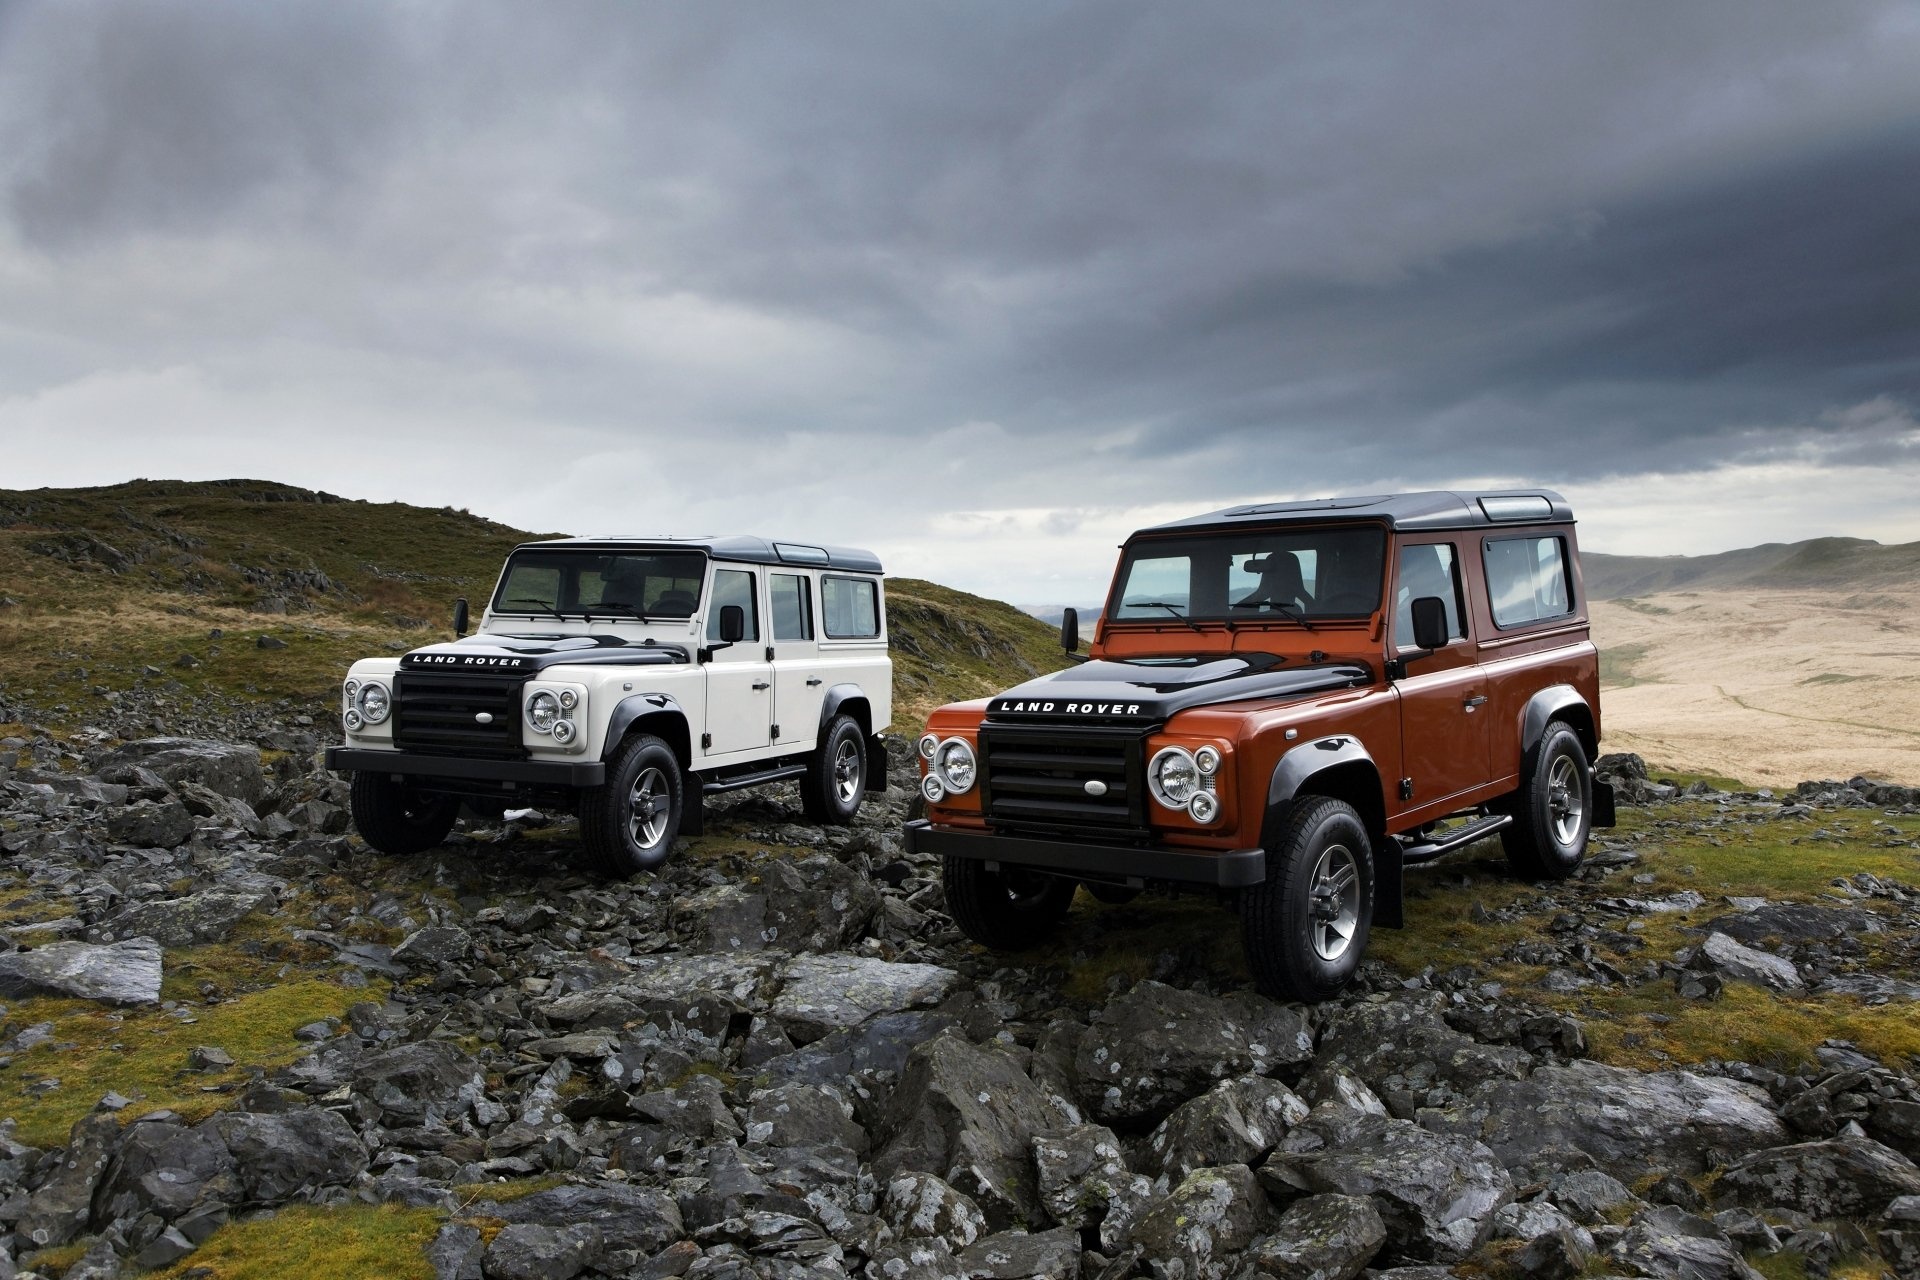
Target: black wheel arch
[
  {"x": 1340, "y": 766},
  {"x": 659, "y": 714},
  {"x": 1560, "y": 702}
]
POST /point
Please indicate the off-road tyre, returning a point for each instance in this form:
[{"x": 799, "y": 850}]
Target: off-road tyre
[
  {"x": 1302, "y": 945},
  {"x": 628, "y": 823},
  {"x": 1006, "y": 910},
  {"x": 836, "y": 775},
  {"x": 398, "y": 819},
  {"x": 1552, "y": 810},
  {"x": 1113, "y": 895}
]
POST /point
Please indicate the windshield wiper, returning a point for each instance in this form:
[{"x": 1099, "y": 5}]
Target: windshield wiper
[
  {"x": 1286, "y": 608},
  {"x": 621, "y": 604},
  {"x": 544, "y": 607},
  {"x": 1162, "y": 604}
]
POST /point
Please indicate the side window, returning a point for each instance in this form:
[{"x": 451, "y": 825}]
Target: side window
[
  {"x": 732, "y": 586},
  {"x": 1527, "y": 580},
  {"x": 1427, "y": 569},
  {"x": 850, "y": 607},
  {"x": 792, "y": 607}
]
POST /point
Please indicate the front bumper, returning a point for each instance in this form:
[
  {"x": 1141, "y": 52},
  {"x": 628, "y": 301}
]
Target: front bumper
[
  {"x": 550, "y": 773},
  {"x": 1234, "y": 869}
]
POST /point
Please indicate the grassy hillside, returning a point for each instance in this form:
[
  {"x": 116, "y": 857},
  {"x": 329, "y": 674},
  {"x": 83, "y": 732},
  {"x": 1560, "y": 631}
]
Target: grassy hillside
[
  {"x": 1836, "y": 564},
  {"x": 180, "y": 583}
]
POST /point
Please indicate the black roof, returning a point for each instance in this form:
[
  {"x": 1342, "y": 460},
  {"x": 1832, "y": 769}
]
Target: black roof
[
  {"x": 807, "y": 555},
  {"x": 1434, "y": 509}
]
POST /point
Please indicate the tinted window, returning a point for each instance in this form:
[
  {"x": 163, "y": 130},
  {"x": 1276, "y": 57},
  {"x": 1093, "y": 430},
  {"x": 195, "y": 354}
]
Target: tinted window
[
  {"x": 1426, "y": 570},
  {"x": 850, "y": 607},
  {"x": 733, "y": 586},
  {"x": 792, "y": 607},
  {"x": 1252, "y": 575},
  {"x": 657, "y": 584},
  {"x": 1527, "y": 579}
]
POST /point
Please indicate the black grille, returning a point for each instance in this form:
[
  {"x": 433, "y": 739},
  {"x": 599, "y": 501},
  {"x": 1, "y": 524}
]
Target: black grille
[
  {"x": 437, "y": 712},
  {"x": 1036, "y": 777}
]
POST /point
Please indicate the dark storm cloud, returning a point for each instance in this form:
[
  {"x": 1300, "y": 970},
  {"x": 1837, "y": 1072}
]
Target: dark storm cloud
[{"x": 1188, "y": 251}]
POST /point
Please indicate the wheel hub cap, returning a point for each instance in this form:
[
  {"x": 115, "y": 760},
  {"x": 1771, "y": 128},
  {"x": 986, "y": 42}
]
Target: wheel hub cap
[{"x": 1333, "y": 903}]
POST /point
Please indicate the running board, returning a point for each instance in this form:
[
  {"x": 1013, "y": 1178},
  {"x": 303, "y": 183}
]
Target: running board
[
  {"x": 1478, "y": 829},
  {"x": 780, "y": 773}
]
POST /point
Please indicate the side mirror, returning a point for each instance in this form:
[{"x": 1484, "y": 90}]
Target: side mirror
[
  {"x": 1430, "y": 630},
  {"x": 733, "y": 624},
  {"x": 459, "y": 617},
  {"x": 1070, "y": 630}
]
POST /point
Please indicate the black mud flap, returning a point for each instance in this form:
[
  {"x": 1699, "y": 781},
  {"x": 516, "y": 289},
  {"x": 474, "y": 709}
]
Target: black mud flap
[
  {"x": 1602, "y": 804},
  {"x": 1388, "y": 908},
  {"x": 876, "y": 764}
]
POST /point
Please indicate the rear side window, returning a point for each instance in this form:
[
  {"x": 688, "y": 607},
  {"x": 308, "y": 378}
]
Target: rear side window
[
  {"x": 850, "y": 608},
  {"x": 792, "y": 607},
  {"x": 1527, "y": 580}
]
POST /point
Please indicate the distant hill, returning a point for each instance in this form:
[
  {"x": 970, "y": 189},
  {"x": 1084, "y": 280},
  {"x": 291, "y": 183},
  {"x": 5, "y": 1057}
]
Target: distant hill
[
  {"x": 263, "y": 591},
  {"x": 1836, "y": 564}
]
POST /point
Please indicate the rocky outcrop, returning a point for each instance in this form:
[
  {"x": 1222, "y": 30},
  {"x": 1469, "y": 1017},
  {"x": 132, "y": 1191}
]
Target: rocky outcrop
[{"x": 120, "y": 973}]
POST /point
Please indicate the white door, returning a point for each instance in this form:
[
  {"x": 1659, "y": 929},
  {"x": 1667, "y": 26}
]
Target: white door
[
  {"x": 799, "y": 681},
  {"x": 739, "y": 677}
]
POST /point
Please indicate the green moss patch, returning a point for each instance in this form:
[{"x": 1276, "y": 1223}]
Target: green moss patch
[{"x": 350, "y": 1242}]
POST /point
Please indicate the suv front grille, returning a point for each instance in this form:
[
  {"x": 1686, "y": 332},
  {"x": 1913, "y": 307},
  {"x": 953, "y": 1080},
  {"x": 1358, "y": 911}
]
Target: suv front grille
[
  {"x": 1036, "y": 777},
  {"x": 437, "y": 712}
]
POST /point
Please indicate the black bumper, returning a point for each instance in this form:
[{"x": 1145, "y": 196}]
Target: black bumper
[
  {"x": 1231, "y": 870},
  {"x": 548, "y": 773}
]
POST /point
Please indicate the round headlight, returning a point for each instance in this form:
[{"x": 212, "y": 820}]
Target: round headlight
[
  {"x": 353, "y": 719},
  {"x": 1172, "y": 777},
  {"x": 353, "y": 687},
  {"x": 1207, "y": 761},
  {"x": 1205, "y": 806},
  {"x": 542, "y": 710},
  {"x": 955, "y": 765},
  {"x": 568, "y": 698},
  {"x": 928, "y": 745},
  {"x": 374, "y": 703},
  {"x": 931, "y": 788},
  {"x": 563, "y": 731}
]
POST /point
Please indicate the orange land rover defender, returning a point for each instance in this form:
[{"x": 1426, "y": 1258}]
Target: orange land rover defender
[{"x": 1287, "y": 704}]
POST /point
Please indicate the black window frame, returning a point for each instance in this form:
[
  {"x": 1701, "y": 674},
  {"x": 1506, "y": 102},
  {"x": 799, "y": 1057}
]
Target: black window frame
[
  {"x": 1566, "y": 577},
  {"x": 879, "y": 617},
  {"x": 1176, "y": 545},
  {"x": 499, "y": 603},
  {"x": 712, "y": 629},
  {"x": 1462, "y": 613}
]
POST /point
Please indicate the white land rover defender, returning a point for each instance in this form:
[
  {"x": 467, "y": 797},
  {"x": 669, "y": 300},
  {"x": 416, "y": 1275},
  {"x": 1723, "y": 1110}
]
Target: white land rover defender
[{"x": 623, "y": 679}]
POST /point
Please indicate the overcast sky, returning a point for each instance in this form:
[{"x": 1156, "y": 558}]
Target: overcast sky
[{"x": 980, "y": 286}]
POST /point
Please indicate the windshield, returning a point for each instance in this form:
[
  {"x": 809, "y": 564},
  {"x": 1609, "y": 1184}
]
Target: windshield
[
  {"x": 1254, "y": 576},
  {"x": 641, "y": 584}
]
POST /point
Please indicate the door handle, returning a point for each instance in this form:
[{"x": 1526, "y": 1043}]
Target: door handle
[
  {"x": 759, "y": 684},
  {"x": 1476, "y": 700},
  {"x": 813, "y": 680}
]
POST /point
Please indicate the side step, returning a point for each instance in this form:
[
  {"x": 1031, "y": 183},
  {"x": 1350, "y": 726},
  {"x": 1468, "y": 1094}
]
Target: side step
[
  {"x": 1478, "y": 829},
  {"x": 779, "y": 773}
]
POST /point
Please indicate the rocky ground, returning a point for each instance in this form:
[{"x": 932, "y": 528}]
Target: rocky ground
[{"x": 226, "y": 1021}]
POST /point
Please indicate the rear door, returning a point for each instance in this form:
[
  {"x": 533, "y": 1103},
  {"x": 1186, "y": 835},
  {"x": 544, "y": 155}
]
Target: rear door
[
  {"x": 1443, "y": 696},
  {"x": 739, "y": 677},
  {"x": 799, "y": 678}
]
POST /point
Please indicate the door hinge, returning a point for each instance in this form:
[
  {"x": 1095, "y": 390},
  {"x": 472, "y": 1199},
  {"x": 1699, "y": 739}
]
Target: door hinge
[
  {"x": 775, "y": 732},
  {"x": 1406, "y": 788},
  {"x": 706, "y": 740}
]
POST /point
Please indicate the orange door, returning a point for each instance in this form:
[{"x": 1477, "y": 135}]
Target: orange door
[{"x": 1443, "y": 696}]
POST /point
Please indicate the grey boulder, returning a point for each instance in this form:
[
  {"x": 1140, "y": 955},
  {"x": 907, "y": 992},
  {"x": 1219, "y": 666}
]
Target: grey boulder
[
  {"x": 1437, "y": 1193},
  {"x": 1017, "y": 1255},
  {"x": 921, "y": 1206},
  {"x": 151, "y": 824},
  {"x": 627, "y": 1218},
  {"x": 804, "y": 1115},
  {"x": 1669, "y": 1242},
  {"x": 1235, "y": 1122},
  {"x": 968, "y": 1115},
  {"x": 813, "y": 905},
  {"x": 229, "y": 768},
  {"x": 118, "y": 973},
  {"x": 1841, "y": 1177},
  {"x": 823, "y": 994},
  {"x": 1631, "y": 1123},
  {"x": 420, "y": 1082},
  {"x": 1082, "y": 1173},
  {"x": 1201, "y": 1229},
  {"x": 1325, "y": 1237},
  {"x": 188, "y": 921},
  {"x": 1156, "y": 1046},
  {"x": 534, "y": 1251},
  {"x": 1403, "y": 1047},
  {"x": 1730, "y": 959},
  {"x": 59, "y": 1210},
  {"x": 279, "y": 1155}
]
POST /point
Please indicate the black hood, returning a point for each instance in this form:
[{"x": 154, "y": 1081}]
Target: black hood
[
  {"x": 535, "y": 653},
  {"x": 1145, "y": 693}
]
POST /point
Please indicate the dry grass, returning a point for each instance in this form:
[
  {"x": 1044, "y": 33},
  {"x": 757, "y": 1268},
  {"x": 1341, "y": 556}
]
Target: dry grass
[{"x": 351, "y": 1242}]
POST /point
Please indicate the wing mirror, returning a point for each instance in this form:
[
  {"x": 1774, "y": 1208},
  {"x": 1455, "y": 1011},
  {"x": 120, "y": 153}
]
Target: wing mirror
[
  {"x": 460, "y": 617},
  {"x": 1430, "y": 630},
  {"x": 733, "y": 624}
]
